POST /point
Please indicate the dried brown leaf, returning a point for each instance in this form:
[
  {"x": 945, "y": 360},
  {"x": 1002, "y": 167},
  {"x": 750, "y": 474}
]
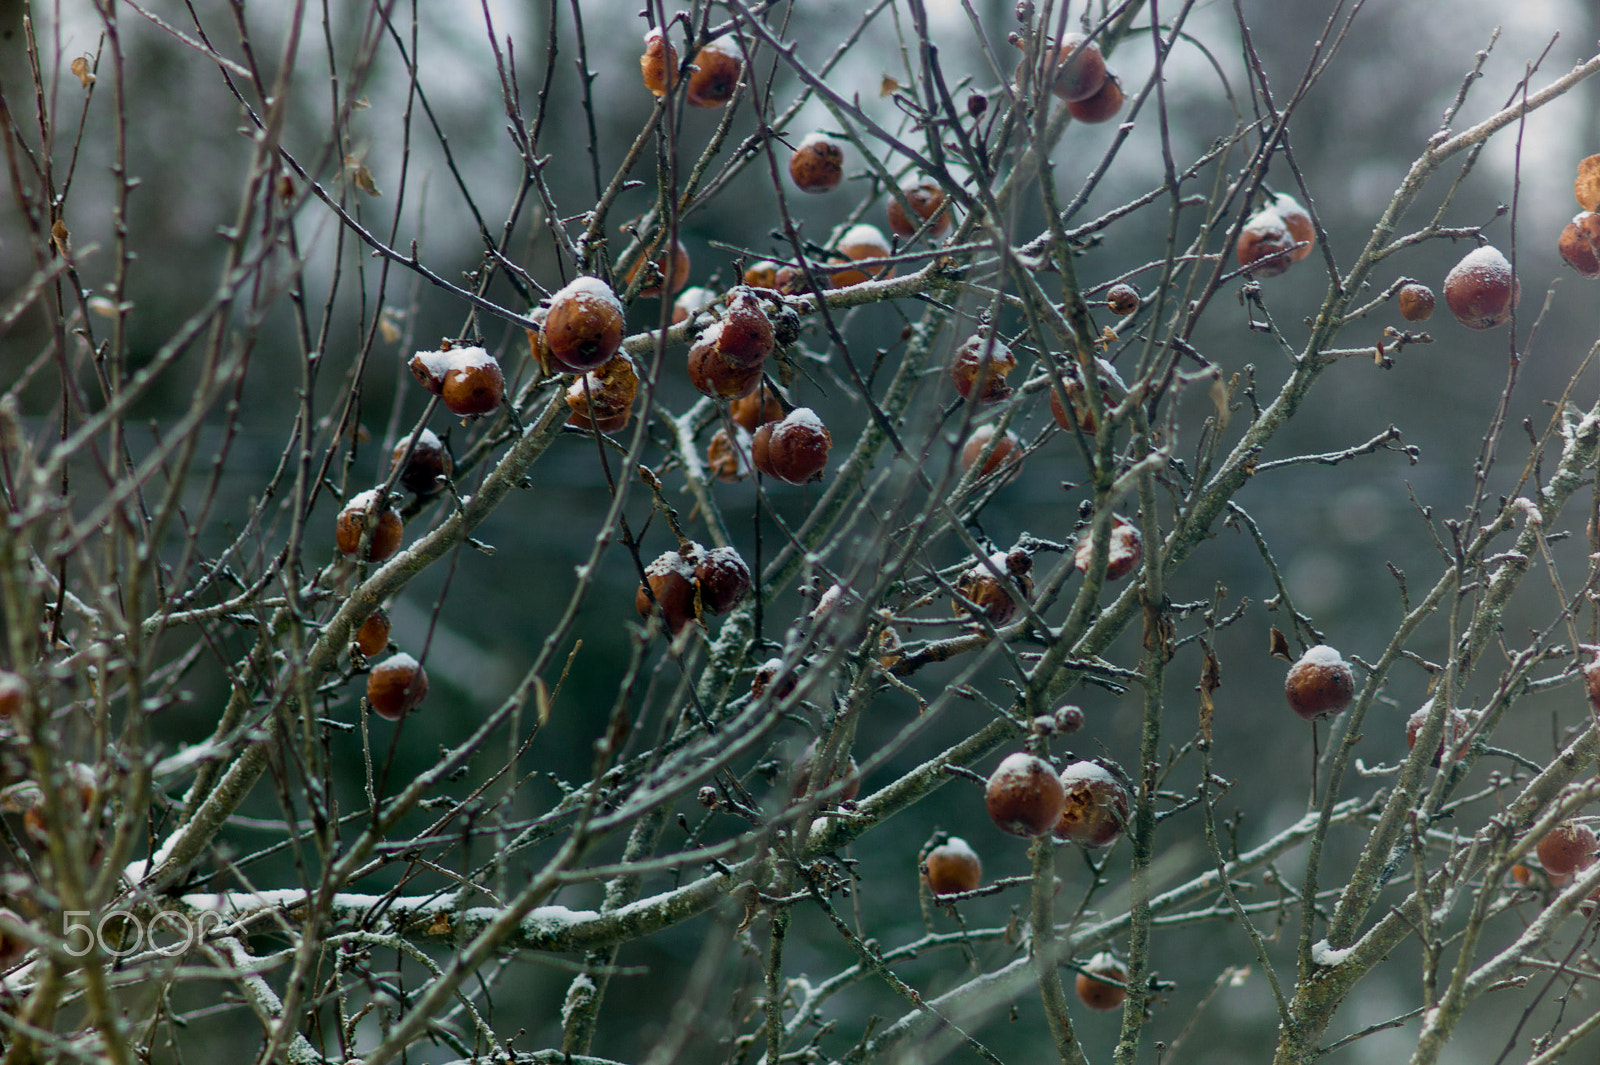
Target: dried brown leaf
[
  {"x": 1210, "y": 681},
  {"x": 80, "y": 69},
  {"x": 360, "y": 176},
  {"x": 1279, "y": 646}
]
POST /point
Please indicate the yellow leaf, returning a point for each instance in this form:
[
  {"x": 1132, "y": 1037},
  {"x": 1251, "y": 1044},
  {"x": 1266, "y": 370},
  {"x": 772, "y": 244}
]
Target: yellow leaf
[{"x": 80, "y": 67}]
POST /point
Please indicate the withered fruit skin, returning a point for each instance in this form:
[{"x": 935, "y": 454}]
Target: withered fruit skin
[
  {"x": 980, "y": 368},
  {"x": 817, "y": 166},
  {"x": 927, "y": 199},
  {"x": 1096, "y": 806},
  {"x": 1416, "y": 302}
]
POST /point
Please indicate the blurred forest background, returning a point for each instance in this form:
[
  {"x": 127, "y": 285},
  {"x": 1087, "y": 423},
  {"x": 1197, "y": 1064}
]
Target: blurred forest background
[{"x": 1337, "y": 530}]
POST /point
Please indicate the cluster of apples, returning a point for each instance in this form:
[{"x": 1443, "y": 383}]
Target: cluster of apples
[
  {"x": 680, "y": 586},
  {"x": 1081, "y": 79},
  {"x": 1579, "y": 243},
  {"x": 1087, "y": 803}
]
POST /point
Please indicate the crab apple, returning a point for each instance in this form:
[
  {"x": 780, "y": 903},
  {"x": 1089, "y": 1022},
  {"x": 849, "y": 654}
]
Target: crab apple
[
  {"x": 659, "y": 63},
  {"x": 723, "y": 579},
  {"x": 1097, "y": 801},
  {"x": 1416, "y": 302},
  {"x": 671, "y": 579},
  {"x": 1264, "y": 244},
  {"x": 771, "y": 675},
  {"x": 78, "y": 781},
  {"x": 1123, "y": 556},
  {"x": 980, "y": 368},
  {"x": 1006, "y": 453},
  {"x": 952, "y": 867},
  {"x": 1094, "y": 987},
  {"x": 396, "y": 686},
  {"x": 1122, "y": 300},
  {"x": 1102, "y": 106},
  {"x": 1456, "y": 727},
  {"x": 728, "y": 458},
  {"x": 13, "y": 947},
  {"x": 1586, "y": 186},
  {"x": 794, "y": 450},
  {"x": 762, "y": 405},
  {"x": 1566, "y": 848},
  {"x": 1480, "y": 289},
  {"x": 1080, "y": 69},
  {"x": 744, "y": 336},
  {"x": 1321, "y": 684},
  {"x": 690, "y": 302},
  {"x": 988, "y": 594},
  {"x": 1075, "y": 410},
  {"x": 1297, "y": 220},
  {"x": 793, "y": 281},
  {"x": 763, "y": 274},
  {"x": 817, "y": 165},
  {"x": 858, "y": 243},
  {"x": 603, "y": 398},
  {"x": 927, "y": 199},
  {"x": 1068, "y": 719},
  {"x": 1024, "y": 795},
  {"x": 13, "y": 693},
  {"x": 467, "y": 379},
  {"x": 714, "y": 376},
  {"x": 718, "y": 67},
  {"x": 1580, "y": 244},
  {"x": 352, "y": 523},
  {"x": 373, "y": 635},
  {"x": 1591, "y": 676},
  {"x": 584, "y": 325},
  {"x": 429, "y": 465},
  {"x": 673, "y": 268}
]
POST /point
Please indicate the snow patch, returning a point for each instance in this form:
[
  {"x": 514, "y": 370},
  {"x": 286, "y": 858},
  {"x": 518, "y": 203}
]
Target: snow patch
[
  {"x": 958, "y": 846},
  {"x": 360, "y": 502},
  {"x": 1322, "y": 655},
  {"x": 863, "y": 233},
  {"x": 1322, "y": 953},
  {"x": 440, "y": 363},
  {"x": 727, "y": 45},
  {"x": 587, "y": 290},
  {"x": 803, "y": 417}
]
